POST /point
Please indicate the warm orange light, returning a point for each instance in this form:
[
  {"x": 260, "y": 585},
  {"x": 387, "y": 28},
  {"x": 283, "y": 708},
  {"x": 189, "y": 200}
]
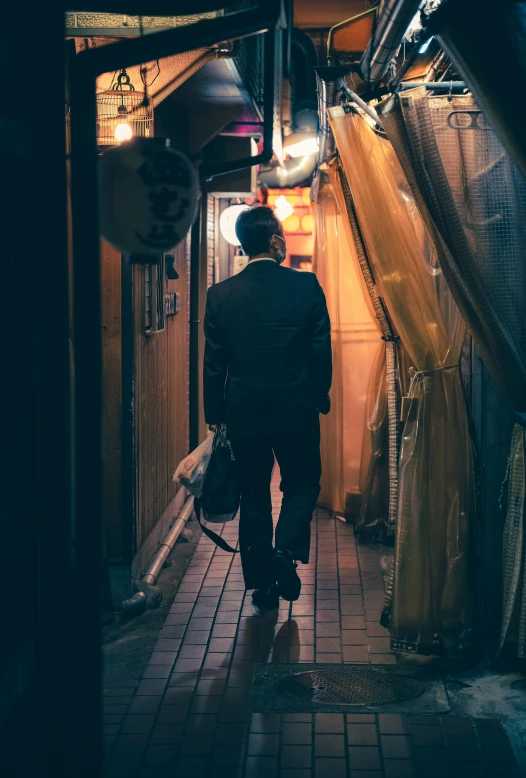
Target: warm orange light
[
  {"x": 307, "y": 223},
  {"x": 283, "y": 208},
  {"x": 291, "y": 224}
]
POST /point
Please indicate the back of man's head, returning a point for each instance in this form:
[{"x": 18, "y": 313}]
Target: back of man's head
[{"x": 255, "y": 228}]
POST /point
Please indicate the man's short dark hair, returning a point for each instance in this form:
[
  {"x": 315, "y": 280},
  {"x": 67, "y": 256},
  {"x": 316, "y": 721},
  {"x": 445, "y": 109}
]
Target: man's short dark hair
[{"x": 254, "y": 229}]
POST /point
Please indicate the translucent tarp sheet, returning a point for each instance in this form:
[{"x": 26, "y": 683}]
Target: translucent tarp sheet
[
  {"x": 433, "y": 598},
  {"x": 355, "y": 342},
  {"x": 473, "y": 200},
  {"x": 380, "y": 448}
]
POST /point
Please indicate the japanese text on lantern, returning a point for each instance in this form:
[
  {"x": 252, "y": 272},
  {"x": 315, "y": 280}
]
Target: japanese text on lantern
[{"x": 170, "y": 182}]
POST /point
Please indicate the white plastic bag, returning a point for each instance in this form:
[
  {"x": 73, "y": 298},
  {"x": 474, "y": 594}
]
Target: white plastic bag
[{"x": 191, "y": 471}]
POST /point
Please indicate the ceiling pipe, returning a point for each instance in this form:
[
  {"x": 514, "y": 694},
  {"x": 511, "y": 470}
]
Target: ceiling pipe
[
  {"x": 368, "y": 109},
  {"x": 207, "y": 173},
  {"x": 291, "y": 174},
  {"x": 330, "y": 81},
  {"x": 304, "y": 62},
  {"x": 387, "y": 37},
  {"x": 406, "y": 66},
  {"x": 435, "y": 86},
  {"x": 437, "y": 63}
]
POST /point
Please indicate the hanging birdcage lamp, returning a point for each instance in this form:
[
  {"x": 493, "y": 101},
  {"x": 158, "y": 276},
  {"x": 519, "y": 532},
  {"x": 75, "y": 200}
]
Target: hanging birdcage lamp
[{"x": 123, "y": 113}]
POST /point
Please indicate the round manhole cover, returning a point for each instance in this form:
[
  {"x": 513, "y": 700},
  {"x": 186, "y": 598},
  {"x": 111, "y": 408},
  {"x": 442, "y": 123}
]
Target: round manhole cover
[{"x": 349, "y": 686}]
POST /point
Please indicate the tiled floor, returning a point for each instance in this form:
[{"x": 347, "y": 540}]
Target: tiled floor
[{"x": 189, "y": 716}]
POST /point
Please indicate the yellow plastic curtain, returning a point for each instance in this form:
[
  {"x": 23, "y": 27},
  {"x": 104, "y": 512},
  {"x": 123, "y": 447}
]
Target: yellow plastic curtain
[
  {"x": 354, "y": 343},
  {"x": 473, "y": 201},
  {"x": 380, "y": 448},
  {"x": 374, "y": 465},
  {"x": 433, "y": 597}
]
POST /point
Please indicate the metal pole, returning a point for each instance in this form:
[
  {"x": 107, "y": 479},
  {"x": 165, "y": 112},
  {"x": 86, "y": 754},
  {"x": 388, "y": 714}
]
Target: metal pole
[
  {"x": 195, "y": 269},
  {"x": 434, "y": 86},
  {"x": 368, "y": 109}
]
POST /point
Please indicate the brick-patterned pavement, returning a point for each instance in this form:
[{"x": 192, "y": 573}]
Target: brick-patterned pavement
[{"x": 189, "y": 716}]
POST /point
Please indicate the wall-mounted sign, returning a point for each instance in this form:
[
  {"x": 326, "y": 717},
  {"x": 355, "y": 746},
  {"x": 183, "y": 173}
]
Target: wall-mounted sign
[
  {"x": 148, "y": 196},
  {"x": 171, "y": 304}
]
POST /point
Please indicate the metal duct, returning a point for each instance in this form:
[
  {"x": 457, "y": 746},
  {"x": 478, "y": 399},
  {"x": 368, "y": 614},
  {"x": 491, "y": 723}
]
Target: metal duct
[
  {"x": 291, "y": 174},
  {"x": 390, "y": 29},
  {"x": 304, "y": 61},
  {"x": 330, "y": 81}
]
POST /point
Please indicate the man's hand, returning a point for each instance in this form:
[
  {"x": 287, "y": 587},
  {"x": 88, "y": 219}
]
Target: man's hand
[{"x": 213, "y": 427}]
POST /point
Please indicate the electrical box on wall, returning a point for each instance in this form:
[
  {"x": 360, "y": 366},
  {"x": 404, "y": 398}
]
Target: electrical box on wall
[{"x": 240, "y": 183}]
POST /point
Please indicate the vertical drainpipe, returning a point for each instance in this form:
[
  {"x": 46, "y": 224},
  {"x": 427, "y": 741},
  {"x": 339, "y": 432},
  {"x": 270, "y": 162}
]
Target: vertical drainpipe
[
  {"x": 129, "y": 484},
  {"x": 195, "y": 262}
]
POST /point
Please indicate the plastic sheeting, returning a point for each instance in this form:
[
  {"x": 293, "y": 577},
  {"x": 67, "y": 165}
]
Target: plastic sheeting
[
  {"x": 473, "y": 201},
  {"x": 380, "y": 452},
  {"x": 433, "y": 598},
  {"x": 354, "y": 344},
  {"x": 374, "y": 466},
  {"x": 463, "y": 32}
]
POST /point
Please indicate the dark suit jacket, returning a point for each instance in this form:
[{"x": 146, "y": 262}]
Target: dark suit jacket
[{"x": 268, "y": 361}]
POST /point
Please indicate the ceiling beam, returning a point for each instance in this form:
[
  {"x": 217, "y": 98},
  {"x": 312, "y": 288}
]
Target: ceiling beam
[
  {"x": 154, "y": 7},
  {"x": 84, "y": 24}
]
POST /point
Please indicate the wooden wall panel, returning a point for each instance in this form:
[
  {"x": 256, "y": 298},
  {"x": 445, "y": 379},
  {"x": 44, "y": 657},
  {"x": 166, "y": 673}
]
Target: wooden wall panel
[
  {"x": 161, "y": 398},
  {"x": 112, "y": 399}
]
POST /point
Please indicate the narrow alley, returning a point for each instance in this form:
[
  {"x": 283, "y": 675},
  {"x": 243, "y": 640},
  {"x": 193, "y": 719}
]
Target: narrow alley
[
  {"x": 269, "y": 245},
  {"x": 194, "y": 710}
]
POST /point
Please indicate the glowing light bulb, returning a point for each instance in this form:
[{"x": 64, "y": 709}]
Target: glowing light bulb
[{"x": 123, "y": 132}]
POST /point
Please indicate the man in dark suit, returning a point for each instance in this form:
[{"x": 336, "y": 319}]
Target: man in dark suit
[{"x": 267, "y": 375}]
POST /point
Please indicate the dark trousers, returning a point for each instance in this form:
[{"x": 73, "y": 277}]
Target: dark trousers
[{"x": 298, "y": 456}]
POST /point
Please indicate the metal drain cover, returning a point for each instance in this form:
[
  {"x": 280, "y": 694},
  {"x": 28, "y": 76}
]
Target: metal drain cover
[
  {"x": 355, "y": 688},
  {"x": 349, "y": 686}
]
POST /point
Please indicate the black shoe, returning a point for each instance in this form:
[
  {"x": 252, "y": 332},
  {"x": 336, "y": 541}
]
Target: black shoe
[
  {"x": 284, "y": 569},
  {"x": 266, "y": 599}
]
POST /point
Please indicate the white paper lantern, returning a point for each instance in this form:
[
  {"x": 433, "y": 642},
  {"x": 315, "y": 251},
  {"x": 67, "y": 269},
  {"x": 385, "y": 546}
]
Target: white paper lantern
[
  {"x": 148, "y": 196},
  {"x": 227, "y": 222}
]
